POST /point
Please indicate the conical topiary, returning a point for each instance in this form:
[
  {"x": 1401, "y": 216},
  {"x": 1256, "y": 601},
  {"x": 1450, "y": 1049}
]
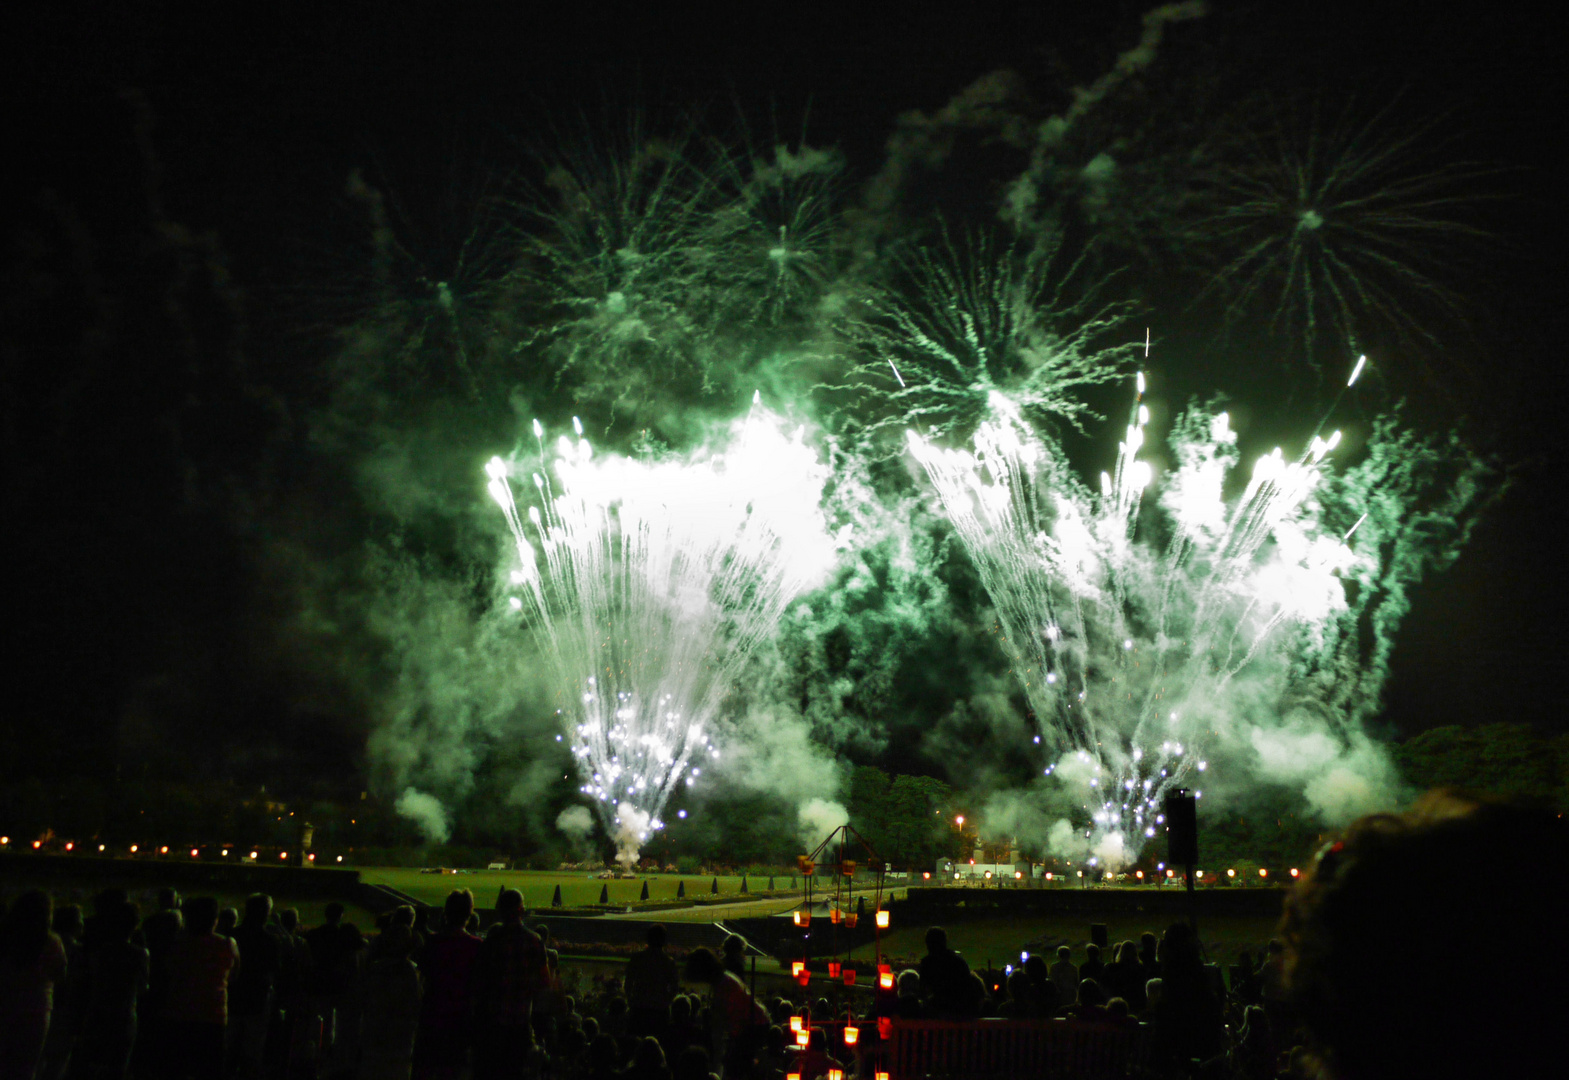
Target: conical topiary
[
  {"x": 680, "y": 890},
  {"x": 555, "y": 901},
  {"x": 645, "y": 890},
  {"x": 770, "y": 884},
  {"x": 714, "y": 888},
  {"x": 604, "y": 894},
  {"x": 743, "y": 884}
]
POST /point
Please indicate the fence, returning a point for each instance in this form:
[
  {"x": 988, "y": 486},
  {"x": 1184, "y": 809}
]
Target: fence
[{"x": 1001, "y": 1049}]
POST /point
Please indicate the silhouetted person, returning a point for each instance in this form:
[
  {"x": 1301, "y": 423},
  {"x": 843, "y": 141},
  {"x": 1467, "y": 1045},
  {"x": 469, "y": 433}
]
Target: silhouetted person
[
  {"x": 1188, "y": 1019},
  {"x": 736, "y": 1020},
  {"x": 1065, "y": 976},
  {"x": 448, "y": 964},
  {"x": 65, "y": 1020},
  {"x": 1123, "y": 977},
  {"x": 652, "y": 980},
  {"x": 1149, "y": 962},
  {"x": 159, "y": 931},
  {"x": 32, "y": 963},
  {"x": 908, "y": 1005},
  {"x": 1376, "y": 886},
  {"x": 251, "y": 996},
  {"x": 648, "y": 1062},
  {"x": 332, "y": 972},
  {"x": 734, "y": 958},
  {"x": 1093, "y": 967},
  {"x": 390, "y": 1002},
  {"x": 116, "y": 978},
  {"x": 814, "y": 1062},
  {"x": 1091, "y": 1003},
  {"x": 228, "y": 919},
  {"x": 511, "y": 970},
  {"x": 201, "y": 963},
  {"x": 948, "y": 990}
]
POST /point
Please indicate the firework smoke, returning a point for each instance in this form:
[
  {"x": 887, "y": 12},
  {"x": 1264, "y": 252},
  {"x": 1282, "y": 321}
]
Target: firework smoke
[{"x": 658, "y": 581}]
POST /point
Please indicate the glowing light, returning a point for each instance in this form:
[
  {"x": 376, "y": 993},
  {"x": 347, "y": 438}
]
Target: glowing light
[
  {"x": 193, "y": 853},
  {"x": 959, "y": 821},
  {"x": 1293, "y": 871},
  {"x": 882, "y": 919},
  {"x": 648, "y": 584},
  {"x": 795, "y": 969},
  {"x": 852, "y": 1035},
  {"x": 1231, "y": 873},
  {"x": 1263, "y": 872},
  {"x": 1356, "y": 371},
  {"x": 163, "y": 850},
  {"x": 801, "y": 1039}
]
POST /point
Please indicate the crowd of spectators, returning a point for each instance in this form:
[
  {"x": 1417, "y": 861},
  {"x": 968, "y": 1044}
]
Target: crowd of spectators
[{"x": 1367, "y": 980}]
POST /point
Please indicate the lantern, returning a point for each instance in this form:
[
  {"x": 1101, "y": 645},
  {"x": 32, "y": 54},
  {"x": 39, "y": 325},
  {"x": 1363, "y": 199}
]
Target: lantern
[
  {"x": 884, "y": 977},
  {"x": 835, "y": 1074},
  {"x": 802, "y": 1038},
  {"x": 802, "y": 918},
  {"x": 833, "y": 969},
  {"x": 884, "y": 1030},
  {"x": 852, "y": 1035},
  {"x": 849, "y": 976},
  {"x": 882, "y": 919},
  {"x": 796, "y": 968},
  {"x": 880, "y": 1076},
  {"x": 795, "y": 1023},
  {"x": 834, "y": 916},
  {"x": 850, "y": 919}
]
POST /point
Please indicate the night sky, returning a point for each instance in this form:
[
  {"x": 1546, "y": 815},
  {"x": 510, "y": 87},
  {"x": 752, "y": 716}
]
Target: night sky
[{"x": 177, "y": 233}]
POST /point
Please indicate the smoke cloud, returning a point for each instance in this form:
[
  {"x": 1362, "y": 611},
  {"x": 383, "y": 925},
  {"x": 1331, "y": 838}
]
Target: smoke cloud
[
  {"x": 818, "y": 818},
  {"x": 427, "y": 812}
]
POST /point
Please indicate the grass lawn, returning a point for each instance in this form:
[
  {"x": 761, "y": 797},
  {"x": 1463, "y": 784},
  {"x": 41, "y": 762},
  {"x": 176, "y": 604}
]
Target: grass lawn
[{"x": 578, "y": 888}]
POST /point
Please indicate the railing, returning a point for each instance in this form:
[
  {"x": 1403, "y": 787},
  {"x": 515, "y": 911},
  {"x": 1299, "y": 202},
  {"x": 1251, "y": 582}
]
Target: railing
[{"x": 919, "y": 1049}]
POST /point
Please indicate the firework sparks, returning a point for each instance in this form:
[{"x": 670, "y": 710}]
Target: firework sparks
[
  {"x": 648, "y": 585},
  {"x": 1131, "y": 655}
]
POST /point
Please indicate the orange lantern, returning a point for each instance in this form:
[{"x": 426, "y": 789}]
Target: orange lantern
[
  {"x": 884, "y": 977},
  {"x": 802, "y": 1038},
  {"x": 792, "y": 1076},
  {"x": 850, "y": 919},
  {"x": 802, "y": 918},
  {"x": 804, "y": 865},
  {"x": 835, "y": 1074},
  {"x": 833, "y": 969},
  {"x": 796, "y": 968},
  {"x": 885, "y": 1030},
  {"x": 795, "y": 1023},
  {"x": 833, "y": 916},
  {"x": 848, "y": 866},
  {"x": 882, "y": 919},
  {"x": 852, "y": 1035},
  {"x": 849, "y": 976},
  {"x": 880, "y": 1076}
]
